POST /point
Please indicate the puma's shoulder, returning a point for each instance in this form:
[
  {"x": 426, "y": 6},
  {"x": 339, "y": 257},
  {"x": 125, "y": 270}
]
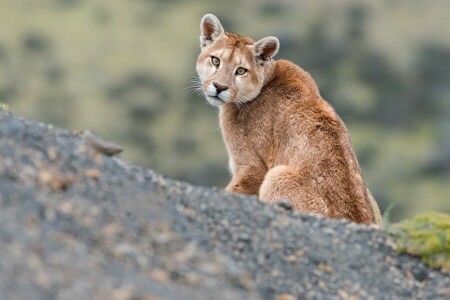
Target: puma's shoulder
[{"x": 288, "y": 76}]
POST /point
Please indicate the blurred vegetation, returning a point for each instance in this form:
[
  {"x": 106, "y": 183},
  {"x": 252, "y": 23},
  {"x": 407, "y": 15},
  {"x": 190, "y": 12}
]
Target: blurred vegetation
[{"x": 121, "y": 69}]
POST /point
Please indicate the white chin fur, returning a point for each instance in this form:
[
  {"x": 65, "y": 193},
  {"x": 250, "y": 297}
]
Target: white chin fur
[
  {"x": 225, "y": 95},
  {"x": 214, "y": 101},
  {"x": 210, "y": 89}
]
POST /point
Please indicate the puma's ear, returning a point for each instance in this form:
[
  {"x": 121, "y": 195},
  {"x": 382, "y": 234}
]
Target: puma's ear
[
  {"x": 266, "y": 48},
  {"x": 211, "y": 29}
]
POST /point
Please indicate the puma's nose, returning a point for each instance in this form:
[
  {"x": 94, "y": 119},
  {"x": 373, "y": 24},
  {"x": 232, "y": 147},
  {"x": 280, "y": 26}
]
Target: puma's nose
[{"x": 219, "y": 88}]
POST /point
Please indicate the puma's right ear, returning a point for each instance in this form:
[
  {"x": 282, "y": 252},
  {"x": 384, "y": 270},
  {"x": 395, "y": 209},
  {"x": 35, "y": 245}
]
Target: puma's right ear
[{"x": 211, "y": 29}]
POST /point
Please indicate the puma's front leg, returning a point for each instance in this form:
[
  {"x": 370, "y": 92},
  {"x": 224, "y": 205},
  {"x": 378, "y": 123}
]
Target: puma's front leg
[{"x": 246, "y": 181}]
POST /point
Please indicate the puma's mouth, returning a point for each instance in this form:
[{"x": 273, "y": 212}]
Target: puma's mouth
[{"x": 215, "y": 100}]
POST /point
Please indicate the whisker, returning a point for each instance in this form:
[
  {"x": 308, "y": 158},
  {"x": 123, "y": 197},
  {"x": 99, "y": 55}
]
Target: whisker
[
  {"x": 239, "y": 106},
  {"x": 195, "y": 86}
]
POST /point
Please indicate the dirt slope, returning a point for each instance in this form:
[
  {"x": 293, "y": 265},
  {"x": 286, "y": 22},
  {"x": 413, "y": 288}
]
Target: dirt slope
[{"x": 76, "y": 224}]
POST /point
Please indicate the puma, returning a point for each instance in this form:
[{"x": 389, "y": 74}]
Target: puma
[{"x": 284, "y": 141}]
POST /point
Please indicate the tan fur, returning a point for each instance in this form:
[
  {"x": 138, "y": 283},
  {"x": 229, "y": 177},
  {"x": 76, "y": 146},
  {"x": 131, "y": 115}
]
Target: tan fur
[{"x": 284, "y": 141}]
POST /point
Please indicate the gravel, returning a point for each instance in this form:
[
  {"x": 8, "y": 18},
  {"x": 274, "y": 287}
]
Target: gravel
[{"x": 79, "y": 224}]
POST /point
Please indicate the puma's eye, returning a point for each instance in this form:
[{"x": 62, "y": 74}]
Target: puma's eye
[
  {"x": 215, "y": 61},
  {"x": 241, "y": 71}
]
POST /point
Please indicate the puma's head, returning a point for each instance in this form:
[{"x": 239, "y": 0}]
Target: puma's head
[{"x": 232, "y": 68}]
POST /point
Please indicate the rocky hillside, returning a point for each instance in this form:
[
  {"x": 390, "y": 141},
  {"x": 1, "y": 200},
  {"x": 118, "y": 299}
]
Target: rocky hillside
[{"x": 76, "y": 223}]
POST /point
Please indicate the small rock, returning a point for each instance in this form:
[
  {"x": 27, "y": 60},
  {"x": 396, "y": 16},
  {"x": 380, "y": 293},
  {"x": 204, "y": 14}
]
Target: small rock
[
  {"x": 160, "y": 275},
  {"x": 51, "y": 153},
  {"x": 54, "y": 179},
  {"x": 419, "y": 274},
  {"x": 326, "y": 268},
  {"x": 444, "y": 292},
  {"x": 285, "y": 297},
  {"x": 285, "y": 204},
  {"x": 93, "y": 173},
  {"x": 100, "y": 145}
]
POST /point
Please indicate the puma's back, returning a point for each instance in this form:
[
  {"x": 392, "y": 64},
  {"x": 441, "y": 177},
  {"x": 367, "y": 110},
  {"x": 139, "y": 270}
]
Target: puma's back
[{"x": 283, "y": 139}]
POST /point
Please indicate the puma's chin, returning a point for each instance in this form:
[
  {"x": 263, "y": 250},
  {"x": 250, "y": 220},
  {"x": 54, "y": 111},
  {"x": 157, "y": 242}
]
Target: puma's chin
[{"x": 222, "y": 99}]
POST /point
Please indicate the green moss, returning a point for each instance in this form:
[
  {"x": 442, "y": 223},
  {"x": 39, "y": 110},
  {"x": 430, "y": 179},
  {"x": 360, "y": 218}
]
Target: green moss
[
  {"x": 427, "y": 235},
  {"x": 4, "y": 106}
]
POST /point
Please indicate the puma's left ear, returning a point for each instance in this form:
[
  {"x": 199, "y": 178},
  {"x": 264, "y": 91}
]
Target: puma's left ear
[
  {"x": 211, "y": 29},
  {"x": 266, "y": 48}
]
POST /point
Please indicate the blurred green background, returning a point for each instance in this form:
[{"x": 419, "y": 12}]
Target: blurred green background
[{"x": 122, "y": 68}]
